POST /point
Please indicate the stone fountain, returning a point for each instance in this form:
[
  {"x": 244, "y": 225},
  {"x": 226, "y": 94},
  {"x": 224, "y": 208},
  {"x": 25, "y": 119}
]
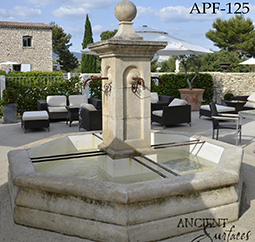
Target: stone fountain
[{"x": 137, "y": 211}]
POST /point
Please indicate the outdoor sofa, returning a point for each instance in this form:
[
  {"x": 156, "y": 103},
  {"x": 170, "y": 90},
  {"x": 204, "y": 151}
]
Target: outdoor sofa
[
  {"x": 236, "y": 104},
  {"x": 206, "y": 111},
  {"x": 58, "y": 106}
]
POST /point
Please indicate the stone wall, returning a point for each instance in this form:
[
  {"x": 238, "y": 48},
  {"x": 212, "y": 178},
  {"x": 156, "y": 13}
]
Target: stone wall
[
  {"x": 236, "y": 83},
  {"x": 39, "y": 55}
]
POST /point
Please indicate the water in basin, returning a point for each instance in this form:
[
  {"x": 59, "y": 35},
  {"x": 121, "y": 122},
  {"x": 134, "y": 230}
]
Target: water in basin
[{"x": 179, "y": 161}]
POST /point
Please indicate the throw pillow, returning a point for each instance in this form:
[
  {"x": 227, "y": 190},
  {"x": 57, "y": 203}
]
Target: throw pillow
[
  {"x": 154, "y": 97},
  {"x": 251, "y": 98}
]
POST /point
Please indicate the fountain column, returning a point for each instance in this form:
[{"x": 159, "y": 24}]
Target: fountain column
[{"x": 126, "y": 93}]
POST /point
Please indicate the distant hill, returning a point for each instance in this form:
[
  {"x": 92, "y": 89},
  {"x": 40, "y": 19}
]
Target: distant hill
[{"x": 76, "y": 54}]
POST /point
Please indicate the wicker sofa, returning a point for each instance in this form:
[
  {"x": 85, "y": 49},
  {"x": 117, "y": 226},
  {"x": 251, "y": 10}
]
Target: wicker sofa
[
  {"x": 178, "y": 111},
  {"x": 236, "y": 104},
  {"x": 249, "y": 101},
  {"x": 206, "y": 111},
  {"x": 56, "y": 105}
]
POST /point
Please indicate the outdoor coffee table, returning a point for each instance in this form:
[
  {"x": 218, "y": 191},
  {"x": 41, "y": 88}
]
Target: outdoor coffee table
[{"x": 73, "y": 114}]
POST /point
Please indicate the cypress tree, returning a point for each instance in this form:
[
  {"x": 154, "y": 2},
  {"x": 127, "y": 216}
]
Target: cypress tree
[{"x": 88, "y": 62}]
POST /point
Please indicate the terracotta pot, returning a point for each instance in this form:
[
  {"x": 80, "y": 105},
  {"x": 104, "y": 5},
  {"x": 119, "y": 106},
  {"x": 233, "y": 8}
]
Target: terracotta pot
[{"x": 193, "y": 97}]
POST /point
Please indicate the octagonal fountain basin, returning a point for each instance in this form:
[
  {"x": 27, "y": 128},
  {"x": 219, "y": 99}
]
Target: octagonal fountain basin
[{"x": 66, "y": 185}]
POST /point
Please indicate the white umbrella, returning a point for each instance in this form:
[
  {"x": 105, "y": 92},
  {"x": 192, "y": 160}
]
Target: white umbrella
[
  {"x": 250, "y": 61},
  {"x": 175, "y": 46},
  {"x": 9, "y": 63}
]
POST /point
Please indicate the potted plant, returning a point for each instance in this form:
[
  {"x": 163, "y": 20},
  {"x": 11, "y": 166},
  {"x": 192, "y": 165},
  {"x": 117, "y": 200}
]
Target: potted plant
[
  {"x": 9, "y": 105},
  {"x": 192, "y": 95}
]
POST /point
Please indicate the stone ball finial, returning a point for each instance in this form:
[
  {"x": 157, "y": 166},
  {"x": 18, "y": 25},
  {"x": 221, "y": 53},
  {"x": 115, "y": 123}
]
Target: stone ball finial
[{"x": 125, "y": 10}]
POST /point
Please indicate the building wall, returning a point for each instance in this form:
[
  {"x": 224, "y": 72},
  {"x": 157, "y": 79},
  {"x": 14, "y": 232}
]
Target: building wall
[{"x": 39, "y": 55}]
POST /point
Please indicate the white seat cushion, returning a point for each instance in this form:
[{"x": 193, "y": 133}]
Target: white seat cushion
[
  {"x": 177, "y": 102},
  {"x": 220, "y": 108},
  {"x": 57, "y": 109},
  {"x": 251, "y": 98},
  {"x": 249, "y": 105},
  {"x": 75, "y": 100},
  {"x": 158, "y": 113},
  {"x": 35, "y": 115},
  {"x": 154, "y": 97},
  {"x": 88, "y": 106},
  {"x": 56, "y": 101}
]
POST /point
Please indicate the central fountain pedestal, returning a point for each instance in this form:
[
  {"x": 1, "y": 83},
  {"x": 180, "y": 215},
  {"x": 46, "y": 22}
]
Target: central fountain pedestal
[{"x": 126, "y": 105}]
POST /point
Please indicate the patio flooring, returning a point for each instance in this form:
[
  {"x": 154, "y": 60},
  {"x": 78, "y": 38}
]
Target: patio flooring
[{"x": 12, "y": 136}]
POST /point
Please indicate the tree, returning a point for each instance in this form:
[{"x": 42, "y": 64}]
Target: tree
[
  {"x": 154, "y": 64},
  {"x": 236, "y": 34},
  {"x": 60, "y": 46},
  {"x": 169, "y": 65},
  {"x": 210, "y": 62},
  {"x": 108, "y": 34},
  {"x": 88, "y": 62},
  {"x": 187, "y": 61}
]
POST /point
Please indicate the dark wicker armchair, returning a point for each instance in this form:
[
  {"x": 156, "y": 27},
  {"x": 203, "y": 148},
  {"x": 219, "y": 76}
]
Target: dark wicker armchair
[
  {"x": 90, "y": 115},
  {"x": 172, "y": 115}
]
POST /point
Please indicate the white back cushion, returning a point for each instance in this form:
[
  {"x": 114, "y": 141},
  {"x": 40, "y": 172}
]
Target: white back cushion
[
  {"x": 154, "y": 97},
  {"x": 249, "y": 105},
  {"x": 177, "y": 102},
  {"x": 75, "y": 100},
  {"x": 251, "y": 98},
  {"x": 56, "y": 101}
]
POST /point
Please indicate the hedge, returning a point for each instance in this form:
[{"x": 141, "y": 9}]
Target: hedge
[
  {"x": 173, "y": 82},
  {"x": 32, "y": 89}
]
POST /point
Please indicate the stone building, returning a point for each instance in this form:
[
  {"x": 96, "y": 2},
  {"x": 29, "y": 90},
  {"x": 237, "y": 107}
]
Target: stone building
[{"x": 29, "y": 45}]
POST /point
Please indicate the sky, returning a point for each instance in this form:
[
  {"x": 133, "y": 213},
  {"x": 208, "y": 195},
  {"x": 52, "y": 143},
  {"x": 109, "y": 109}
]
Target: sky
[{"x": 185, "y": 19}]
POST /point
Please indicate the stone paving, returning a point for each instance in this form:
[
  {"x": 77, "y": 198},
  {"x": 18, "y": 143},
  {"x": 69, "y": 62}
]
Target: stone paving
[{"x": 12, "y": 136}]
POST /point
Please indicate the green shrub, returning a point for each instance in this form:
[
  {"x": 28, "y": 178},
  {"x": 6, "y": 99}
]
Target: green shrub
[
  {"x": 228, "y": 96},
  {"x": 10, "y": 95},
  {"x": 35, "y": 73}
]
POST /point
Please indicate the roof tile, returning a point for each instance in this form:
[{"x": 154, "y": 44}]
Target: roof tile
[{"x": 7, "y": 24}]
